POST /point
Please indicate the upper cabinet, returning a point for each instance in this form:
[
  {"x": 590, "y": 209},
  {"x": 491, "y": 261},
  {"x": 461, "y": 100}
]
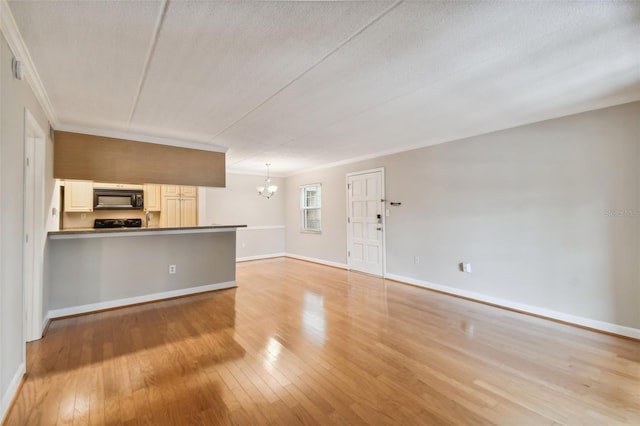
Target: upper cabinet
[
  {"x": 179, "y": 206},
  {"x": 152, "y": 197},
  {"x": 179, "y": 191},
  {"x": 188, "y": 191},
  {"x": 171, "y": 190},
  {"x": 78, "y": 196}
]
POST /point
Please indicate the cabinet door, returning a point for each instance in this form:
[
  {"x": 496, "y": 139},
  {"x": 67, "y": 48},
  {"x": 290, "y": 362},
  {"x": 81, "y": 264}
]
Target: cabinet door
[
  {"x": 170, "y": 190},
  {"x": 188, "y": 191},
  {"x": 152, "y": 198},
  {"x": 78, "y": 196},
  {"x": 170, "y": 215},
  {"x": 189, "y": 212}
]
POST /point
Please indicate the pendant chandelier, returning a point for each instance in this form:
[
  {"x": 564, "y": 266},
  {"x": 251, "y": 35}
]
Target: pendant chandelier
[{"x": 267, "y": 190}]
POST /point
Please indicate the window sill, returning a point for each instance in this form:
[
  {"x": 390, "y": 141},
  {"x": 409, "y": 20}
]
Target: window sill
[{"x": 310, "y": 231}]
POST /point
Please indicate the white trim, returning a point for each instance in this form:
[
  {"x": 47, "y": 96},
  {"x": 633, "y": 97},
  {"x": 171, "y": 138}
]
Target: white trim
[
  {"x": 260, "y": 256},
  {"x": 535, "y": 310},
  {"x": 45, "y": 322},
  {"x": 303, "y": 208},
  {"x": 260, "y": 228},
  {"x": 433, "y": 142},
  {"x": 353, "y": 160},
  {"x": 1, "y": 256},
  {"x": 232, "y": 171},
  {"x": 134, "y": 232},
  {"x": 364, "y": 172},
  {"x": 315, "y": 260},
  {"x": 92, "y": 307},
  {"x": 10, "y": 393},
  {"x": 33, "y": 291},
  {"x": 141, "y": 138},
  {"x": 17, "y": 45}
]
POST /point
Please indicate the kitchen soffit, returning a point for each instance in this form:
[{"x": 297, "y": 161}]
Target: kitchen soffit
[{"x": 303, "y": 84}]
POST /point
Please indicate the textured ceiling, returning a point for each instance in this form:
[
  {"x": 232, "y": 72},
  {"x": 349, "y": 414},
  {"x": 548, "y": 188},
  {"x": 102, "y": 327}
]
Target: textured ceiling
[{"x": 305, "y": 84}]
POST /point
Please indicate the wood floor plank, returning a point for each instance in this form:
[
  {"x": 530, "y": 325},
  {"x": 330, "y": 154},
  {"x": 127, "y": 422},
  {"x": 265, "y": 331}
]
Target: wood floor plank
[{"x": 303, "y": 344}]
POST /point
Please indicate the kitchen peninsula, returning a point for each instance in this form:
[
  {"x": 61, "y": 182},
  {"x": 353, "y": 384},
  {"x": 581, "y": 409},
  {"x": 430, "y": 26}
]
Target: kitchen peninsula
[{"x": 93, "y": 269}]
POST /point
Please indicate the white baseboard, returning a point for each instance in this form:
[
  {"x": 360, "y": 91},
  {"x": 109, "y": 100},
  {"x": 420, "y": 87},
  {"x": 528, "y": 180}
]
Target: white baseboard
[
  {"x": 45, "y": 322},
  {"x": 535, "y": 310},
  {"x": 10, "y": 393},
  {"x": 261, "y": 228},
  {"x": 320, "y": 261},
  {"x": 83, "y": 309},
  {"x": 260, "y": 256}
]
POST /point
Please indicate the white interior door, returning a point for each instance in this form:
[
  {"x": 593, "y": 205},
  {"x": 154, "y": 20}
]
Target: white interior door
[{"x": 365, "y": 221}]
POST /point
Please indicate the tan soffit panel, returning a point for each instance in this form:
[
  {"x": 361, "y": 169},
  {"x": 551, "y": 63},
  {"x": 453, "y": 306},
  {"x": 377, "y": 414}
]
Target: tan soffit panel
[{"x": 103, "y": 159}]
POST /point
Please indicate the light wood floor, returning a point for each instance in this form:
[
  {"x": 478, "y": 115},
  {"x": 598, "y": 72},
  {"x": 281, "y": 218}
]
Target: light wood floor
[{"x": 299, "y": 343}]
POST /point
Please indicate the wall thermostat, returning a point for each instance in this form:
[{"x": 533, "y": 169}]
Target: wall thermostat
[{"x": 16, "y": 66}]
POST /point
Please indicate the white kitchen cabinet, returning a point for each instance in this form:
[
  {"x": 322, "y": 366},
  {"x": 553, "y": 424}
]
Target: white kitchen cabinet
[
  {"x": 153, "y": 197},
  {"x": 78, "y": 196}
]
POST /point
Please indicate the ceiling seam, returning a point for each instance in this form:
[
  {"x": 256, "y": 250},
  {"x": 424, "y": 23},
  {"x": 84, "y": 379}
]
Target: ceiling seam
[
  {"x": 321, "y": 60},
  {"x": 432, "y": 82},
  {"x": 150, "y": 52}
]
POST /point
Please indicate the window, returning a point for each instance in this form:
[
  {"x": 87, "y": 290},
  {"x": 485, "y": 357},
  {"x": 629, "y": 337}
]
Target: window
[{"x": 310, "y": 207}]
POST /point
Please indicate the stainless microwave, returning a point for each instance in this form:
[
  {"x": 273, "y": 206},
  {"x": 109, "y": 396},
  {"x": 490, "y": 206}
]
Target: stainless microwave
[{"x": 118, "y": 199}]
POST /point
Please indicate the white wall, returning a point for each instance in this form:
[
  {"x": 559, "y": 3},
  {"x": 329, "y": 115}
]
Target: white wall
[
  {"x": 16, "y": 96},
  {"x": 527, "y": 207},
  {"x": 239, "y": 204}
]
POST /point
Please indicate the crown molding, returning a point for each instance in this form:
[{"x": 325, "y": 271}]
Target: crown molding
[
  {"x": 12, "y": 35},
  {"x": 203, "y": 146},
  {"x": 232, "y": 171}
]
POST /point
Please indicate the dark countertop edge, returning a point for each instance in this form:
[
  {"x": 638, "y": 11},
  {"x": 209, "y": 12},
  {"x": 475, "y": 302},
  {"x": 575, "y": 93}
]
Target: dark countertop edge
[{"x": 92, "y": 231}]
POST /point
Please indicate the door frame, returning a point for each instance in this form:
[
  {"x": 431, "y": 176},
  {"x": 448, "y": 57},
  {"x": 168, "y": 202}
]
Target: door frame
[
  {"x": 34, "y": 141},
  {"x": 384, "y": 216}
]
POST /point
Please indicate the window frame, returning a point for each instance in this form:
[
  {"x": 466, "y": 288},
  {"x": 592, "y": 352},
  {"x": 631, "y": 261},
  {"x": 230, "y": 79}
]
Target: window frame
[{"x": 304, "y": 208}]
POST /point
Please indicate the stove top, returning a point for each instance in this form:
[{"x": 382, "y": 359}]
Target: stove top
[{"x": 117, "y": 223}]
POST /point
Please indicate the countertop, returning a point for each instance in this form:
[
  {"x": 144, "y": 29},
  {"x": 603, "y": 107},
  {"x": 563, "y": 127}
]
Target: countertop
[{"x": 121, "y": 232}]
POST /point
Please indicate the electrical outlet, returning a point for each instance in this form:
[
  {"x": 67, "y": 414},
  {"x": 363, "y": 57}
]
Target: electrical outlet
[
  {"x": 244, "y": 245},
  {"x": 83, "y": 216},
  {"x": 416, "y": 260},
  {"x": 465, "y": 267},
  {"x": 172, "y": 269}
]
